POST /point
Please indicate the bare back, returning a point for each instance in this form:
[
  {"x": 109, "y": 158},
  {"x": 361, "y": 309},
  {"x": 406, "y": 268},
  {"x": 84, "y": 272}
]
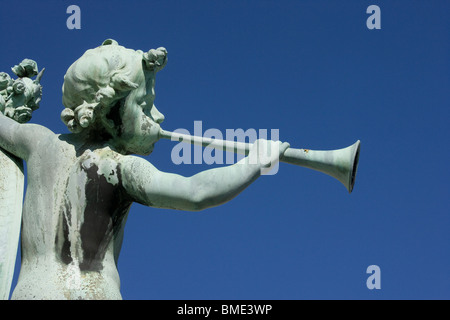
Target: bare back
[{"x": 74, "y": 213}]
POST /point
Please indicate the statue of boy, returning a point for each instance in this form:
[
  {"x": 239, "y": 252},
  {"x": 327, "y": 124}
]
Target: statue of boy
[{"x": 81, "y": 185}]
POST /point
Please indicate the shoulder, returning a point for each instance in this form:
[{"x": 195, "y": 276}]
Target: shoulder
[
  {"x": 126, "y": 166},
  {"x": 132, "y": 167},
  {"x": 36, "y": 130},
  {"x": 138, "y": 174},
  {"x": 35, "y": 136},
  {"x": 23, "y": 140},
  {"x": 131, "y": 161}
]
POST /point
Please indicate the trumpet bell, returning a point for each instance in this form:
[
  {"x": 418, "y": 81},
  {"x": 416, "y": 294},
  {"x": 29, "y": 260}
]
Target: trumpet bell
[{"x": 341, "y": 164}]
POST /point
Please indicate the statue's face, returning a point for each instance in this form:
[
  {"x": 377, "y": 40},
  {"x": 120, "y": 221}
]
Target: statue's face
[{"x": 140, "y": 118}]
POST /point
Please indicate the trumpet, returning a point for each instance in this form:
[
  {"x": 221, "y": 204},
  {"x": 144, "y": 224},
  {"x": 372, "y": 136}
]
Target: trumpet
[{"x": 341, "y": 164}]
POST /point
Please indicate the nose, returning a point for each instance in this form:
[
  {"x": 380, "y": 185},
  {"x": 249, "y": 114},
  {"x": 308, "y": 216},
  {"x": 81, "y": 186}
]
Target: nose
[{"x": 157, "y": 116}]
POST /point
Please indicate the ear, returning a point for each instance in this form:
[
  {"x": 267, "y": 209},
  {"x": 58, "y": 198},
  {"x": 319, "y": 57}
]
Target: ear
[{"x": 105, "y": 95}]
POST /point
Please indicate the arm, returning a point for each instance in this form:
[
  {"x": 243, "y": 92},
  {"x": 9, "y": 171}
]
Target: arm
[
  {"x": 149, "y": 186},
  {"x": 20, "y": 139}
]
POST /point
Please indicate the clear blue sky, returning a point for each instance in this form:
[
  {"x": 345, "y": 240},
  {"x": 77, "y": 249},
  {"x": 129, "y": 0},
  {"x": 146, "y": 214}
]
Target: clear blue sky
[{"x": 313, "y": 70}]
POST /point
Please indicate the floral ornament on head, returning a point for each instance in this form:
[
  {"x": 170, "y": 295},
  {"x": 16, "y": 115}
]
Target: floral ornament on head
[
  {"x": 27, "y": 68},
  {"x": 155, "y": 59}
]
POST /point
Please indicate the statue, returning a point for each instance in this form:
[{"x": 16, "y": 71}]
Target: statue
[
  {"x": 18, "y": 99},
  {"x": 81, "y": 185}
]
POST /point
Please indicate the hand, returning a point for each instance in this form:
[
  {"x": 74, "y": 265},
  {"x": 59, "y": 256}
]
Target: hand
[{"x": 266, "y": 153}]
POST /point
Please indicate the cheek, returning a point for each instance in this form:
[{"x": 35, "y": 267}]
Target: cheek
[
  {"x": 140, "y": 128},
  {"x": 146, "y": 124},
  {"x": 130, "y": 117}
]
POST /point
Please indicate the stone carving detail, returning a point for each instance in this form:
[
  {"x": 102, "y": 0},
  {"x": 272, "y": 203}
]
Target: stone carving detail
[
  {"x": 20, "y": 97},
  {"x": 80, "y": 185}
]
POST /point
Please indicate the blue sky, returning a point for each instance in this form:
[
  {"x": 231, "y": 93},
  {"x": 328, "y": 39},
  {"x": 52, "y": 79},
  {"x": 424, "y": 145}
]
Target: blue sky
[{"x": 313, "y": 70}]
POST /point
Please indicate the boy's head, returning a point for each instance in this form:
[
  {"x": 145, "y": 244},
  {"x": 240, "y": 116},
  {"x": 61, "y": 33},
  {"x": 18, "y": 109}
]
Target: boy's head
[{"x": 110, "y": 90}]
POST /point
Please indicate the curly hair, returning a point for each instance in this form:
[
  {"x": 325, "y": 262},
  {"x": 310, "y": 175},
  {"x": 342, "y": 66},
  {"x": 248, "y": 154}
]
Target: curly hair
[{"x": 99, "y": 78}]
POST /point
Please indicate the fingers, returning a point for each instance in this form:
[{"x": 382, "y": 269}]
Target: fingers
[
  {"x": 284, "y": 146},
  {"x": 266, "y": 153}
]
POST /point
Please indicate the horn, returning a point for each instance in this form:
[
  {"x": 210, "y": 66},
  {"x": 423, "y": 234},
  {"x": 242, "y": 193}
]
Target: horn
[
  {"x": 341, "y": 164},
  {"x": 39, "y": 76}
]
